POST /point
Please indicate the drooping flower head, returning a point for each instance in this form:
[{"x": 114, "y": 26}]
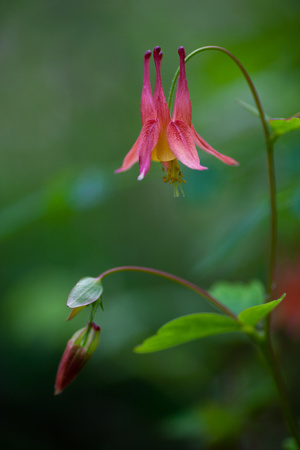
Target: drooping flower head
[{"x": 163, "y": 138}]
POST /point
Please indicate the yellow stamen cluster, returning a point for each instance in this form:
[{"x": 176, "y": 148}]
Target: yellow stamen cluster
[{"x": 174, "y": 176}]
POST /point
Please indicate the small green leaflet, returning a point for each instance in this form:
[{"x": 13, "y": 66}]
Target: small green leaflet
[
  {"x": 252, "y": 109},
  {"x": 238, "y": 296},
  {"x": 86, "y": 291},
  {"x": 251, "y": 316},
  {"x": 188, "y": 328},
  {"x": 282, "y": 126},
  {"x": 279, "y": 126},
  {"x": 75, "y": 311}
]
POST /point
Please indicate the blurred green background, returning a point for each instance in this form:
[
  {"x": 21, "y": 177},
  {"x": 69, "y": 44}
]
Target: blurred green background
[{"x": 70, "y": 81}]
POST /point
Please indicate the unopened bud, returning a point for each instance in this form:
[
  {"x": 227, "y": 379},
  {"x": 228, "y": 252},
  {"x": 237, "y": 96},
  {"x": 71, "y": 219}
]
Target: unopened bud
[{"x": 77, "y": 353}]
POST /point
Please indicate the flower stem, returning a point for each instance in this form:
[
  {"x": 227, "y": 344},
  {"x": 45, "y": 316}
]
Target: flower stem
[
  {"x": 266, "y": 346},
  {"x": 175, "y": 279},
  {"x": 269, "y": 356},
  {"x": 270, "y": 159},
  {"x": 93, "y": 310}
]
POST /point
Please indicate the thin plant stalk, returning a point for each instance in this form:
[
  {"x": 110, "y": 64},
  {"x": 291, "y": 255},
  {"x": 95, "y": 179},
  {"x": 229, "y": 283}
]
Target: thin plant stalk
[
  {"x": 270, "y": 159},
  {"x": 266, "y": 343},
  {"x": 175, "y": 279}
]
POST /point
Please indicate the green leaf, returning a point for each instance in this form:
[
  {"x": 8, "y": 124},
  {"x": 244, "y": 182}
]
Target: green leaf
[
  {"x": 75, "y": 311},
  {"x": 86, "y": 291},
  {"x": 279, "y": 126},
  {"x": 252, "y": 109},
  {"x": 188, "y": 328},
  {"x": 282, "y": 126},
  {"x": 238, "y": 296},
  {"x": 251, "y": 316}
]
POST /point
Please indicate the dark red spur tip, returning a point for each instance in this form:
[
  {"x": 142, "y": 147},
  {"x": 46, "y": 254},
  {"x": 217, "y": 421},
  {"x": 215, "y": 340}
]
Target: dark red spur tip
[{"x": 181, "y": 52}]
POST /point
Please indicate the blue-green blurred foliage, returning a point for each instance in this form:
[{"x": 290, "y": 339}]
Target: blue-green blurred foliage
[{"x": 70, "y": 86}]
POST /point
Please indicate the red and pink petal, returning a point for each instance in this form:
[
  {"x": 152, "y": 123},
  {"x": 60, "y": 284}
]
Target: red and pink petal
[
  {"x": 130, "y": 159},
  {"x": 207, "y": 148},
  {"x": 182, "y": 106},
  {"x": 147, "y": 103},
  {"x": 160, "y": 102},
  {"x": 147, "y": 141},
  {"x": 181, "y": 142}
]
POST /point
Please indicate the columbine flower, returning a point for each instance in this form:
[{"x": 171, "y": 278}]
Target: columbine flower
[
  {"x": 165, "y": 139},
  {"x": 78, "y": 352}
]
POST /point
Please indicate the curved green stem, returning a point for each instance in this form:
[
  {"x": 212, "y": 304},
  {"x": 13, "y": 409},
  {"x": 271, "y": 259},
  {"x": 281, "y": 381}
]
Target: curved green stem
[
  {"x": 270, "y": 159},
  {"x": 246, "y": 75},
  {"x": 175, "y": 279},
  {"x": 266, "y": 344}
]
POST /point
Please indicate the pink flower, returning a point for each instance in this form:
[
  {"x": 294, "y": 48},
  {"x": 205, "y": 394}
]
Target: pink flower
[
  {"x": 77, "y": 353},
  {"x": 165, "y": 139}
]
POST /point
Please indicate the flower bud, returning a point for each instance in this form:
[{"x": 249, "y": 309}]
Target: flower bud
[{"x": 77, "y": 353}]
